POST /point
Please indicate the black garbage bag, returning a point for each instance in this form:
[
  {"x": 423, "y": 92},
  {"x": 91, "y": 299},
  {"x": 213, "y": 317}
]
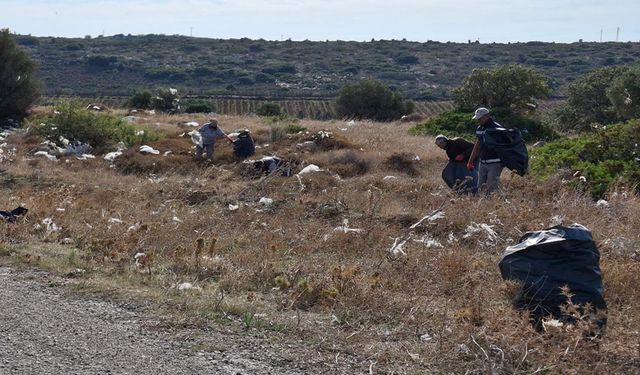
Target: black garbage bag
[
  {"x": 510, "y": 147},
  {"x": 545, "y": 261},
  {"x": 244, "y": 147},
  {"x": 458, "y": 178}
]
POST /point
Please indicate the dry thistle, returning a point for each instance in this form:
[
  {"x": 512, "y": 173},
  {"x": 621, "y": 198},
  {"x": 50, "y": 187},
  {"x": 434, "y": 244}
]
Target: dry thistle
[
  {"x": 212, "y": 246},
  {"x": 199, "y": 249}
]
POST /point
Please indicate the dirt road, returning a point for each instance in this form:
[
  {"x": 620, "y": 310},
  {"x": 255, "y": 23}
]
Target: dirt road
[{"x": 43, "y": 331}]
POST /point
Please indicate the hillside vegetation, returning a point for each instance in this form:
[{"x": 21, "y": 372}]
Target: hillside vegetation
[
  {"x": 120, "y": 64},
  {"x": 312, "y": 264}
]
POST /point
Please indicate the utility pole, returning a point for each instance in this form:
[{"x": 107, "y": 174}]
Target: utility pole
[
  {"x": 617, "y": 34},
  {"x": 600, "y": 35},
  {"x": 191, "y": 31}
]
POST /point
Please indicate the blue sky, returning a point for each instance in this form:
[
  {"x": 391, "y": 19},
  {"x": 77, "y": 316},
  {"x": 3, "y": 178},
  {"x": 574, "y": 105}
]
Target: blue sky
[{"x": 443, "y": 20}]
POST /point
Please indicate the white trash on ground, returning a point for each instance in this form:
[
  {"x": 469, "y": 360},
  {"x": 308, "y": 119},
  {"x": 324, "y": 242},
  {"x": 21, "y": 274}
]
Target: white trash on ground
[
  {"x": 266, "y": 201},
  {"x": 111, "y": 156},
  {"x": 311, "y": 168},
  {"x": 149, "y": 150}
]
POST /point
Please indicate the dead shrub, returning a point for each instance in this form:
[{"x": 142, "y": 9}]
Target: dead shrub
[
  {"x": 346, "y": 163},
  {"x": 402, "y": 162}
]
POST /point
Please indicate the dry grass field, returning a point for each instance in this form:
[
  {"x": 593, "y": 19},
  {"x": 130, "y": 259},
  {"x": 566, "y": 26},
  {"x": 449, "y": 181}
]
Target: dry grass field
[{"x": 313, "y": 266}]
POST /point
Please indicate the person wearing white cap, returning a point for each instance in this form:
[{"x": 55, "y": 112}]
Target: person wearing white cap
[{"x": 490, "y": 166}]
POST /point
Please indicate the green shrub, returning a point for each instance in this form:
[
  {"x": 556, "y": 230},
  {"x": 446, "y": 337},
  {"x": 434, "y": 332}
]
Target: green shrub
[
  {"x": 460, "y": 124},
  {"x": 18, "y": 88},
  {"x": 510, "y": 86},
  {"x": 140, "y": 100},
  {"x": 604, "y": 157},
  {"x": 587, "y": 101},
  {"x": 372, "y": 100},
  {"x": 269, "y": 109},
  {"x": 166, "y": 100},
  {"x": 101, "y": 130},
  {"x": 294, "y": 129},
  {"x": 200, "y": 107}
]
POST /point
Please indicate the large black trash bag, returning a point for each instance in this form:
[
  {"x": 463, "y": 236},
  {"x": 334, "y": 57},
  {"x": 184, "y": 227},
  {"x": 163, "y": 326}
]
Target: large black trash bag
[
  {"x": 243, "y": 146},
  {"x": 458, "y": 178},
  {"x": 510, "y": 147},
  {"x": 545, "y": 261}
]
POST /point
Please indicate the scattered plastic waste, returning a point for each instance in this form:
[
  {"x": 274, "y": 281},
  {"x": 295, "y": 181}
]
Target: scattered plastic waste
[
  {"x": 310, "y": 169},
  {"x": 148, "y": 150}
]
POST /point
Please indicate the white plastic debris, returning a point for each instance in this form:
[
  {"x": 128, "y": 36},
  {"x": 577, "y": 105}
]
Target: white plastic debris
[
  {"x": 196, "y": 137},
  {"x": 139, "y": 259},
  {"x": 111, "y": 156},
  {"x": 602, "y": 203},
  {"x": 311, "y": 168},
  {"x": 140, "y": 132},
  {"x": 426, "y": 337},
  {"x": 185, "y": 286},
  {"x": 192, "y": 123},
  {"x": 265, "y": 201},
  {"x": 438, "y": 214},
  {"x": 233, "y": 207},
  {"x": 344, "y": 228},
  {"x": 50, "y": 225},
  {"x": 167, "y": 153},
  {"x": 148, "y": 150},
  {"x": 557, "y": 220},
  {"x": 396, "y": 249},
  {"x": 390, "y": 178},
  {"x": 351, "y": 123},
  {"x": 478, "y": 229},
  {"x": 85, "y": 157},
  {"x": 134, "y": 227},
  {"x": 583, "y": 179},
  {"x": 47, "y": 155},
  {"x": 114, "y": 220},
  {"x": 176, "y": 219}
]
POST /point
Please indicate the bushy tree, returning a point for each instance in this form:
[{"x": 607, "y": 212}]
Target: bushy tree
[
  {"x": 372, "y": 100},
  {"x": 140, "y": 100},
  {"x": 18, "y": 88},
  {"x": 166, "y": 100},
  {"x": 200, "y": 106},
  {"x": 511, "y": 86},
  {"x": 624, "y": 94},
  {"x": 269, "y": 109},
  {"x": 588, "y": 101}
]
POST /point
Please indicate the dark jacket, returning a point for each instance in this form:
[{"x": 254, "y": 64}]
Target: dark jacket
[
  {"x": 458, "y": 146},
  {"x": 487, "y": 155}
]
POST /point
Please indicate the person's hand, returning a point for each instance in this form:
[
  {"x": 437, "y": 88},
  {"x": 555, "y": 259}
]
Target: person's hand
[
  {"x": 459, "y": 158},
  {"x": 470, "y": 166}
]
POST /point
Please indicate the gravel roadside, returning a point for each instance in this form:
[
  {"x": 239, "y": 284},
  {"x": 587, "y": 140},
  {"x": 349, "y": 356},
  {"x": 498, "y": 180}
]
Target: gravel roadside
[{"x": 42, "y": 331}]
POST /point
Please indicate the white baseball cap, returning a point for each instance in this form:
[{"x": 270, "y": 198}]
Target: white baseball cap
[{"x": 482, "y": 111}]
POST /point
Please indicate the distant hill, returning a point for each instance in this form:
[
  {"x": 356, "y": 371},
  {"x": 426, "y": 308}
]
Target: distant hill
[{"x": 120, "y": 64}]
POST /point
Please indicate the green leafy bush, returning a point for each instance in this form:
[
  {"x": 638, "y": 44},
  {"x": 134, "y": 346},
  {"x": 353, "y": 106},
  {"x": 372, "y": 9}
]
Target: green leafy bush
[
  {"x": 604, "y": 157},
  {"x": 166, "y": 100},
  {"x": 200, "y": 106},
  {"x": 18, "y": 88},
  {"x": 294, "y": 129},
  {"x": 140, "y": 100},
  {"x": 460, "y": 124},
  {"x": 587, "y": 101},
  {"x": 269, "y": 109},
  {"x": 510, "y": 86},
  {"x": 372, "y": 100},
  {"x": 101, "y": 130}
]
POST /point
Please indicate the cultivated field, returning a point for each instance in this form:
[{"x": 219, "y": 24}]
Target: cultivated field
[{"x": 313, "y": 268}]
